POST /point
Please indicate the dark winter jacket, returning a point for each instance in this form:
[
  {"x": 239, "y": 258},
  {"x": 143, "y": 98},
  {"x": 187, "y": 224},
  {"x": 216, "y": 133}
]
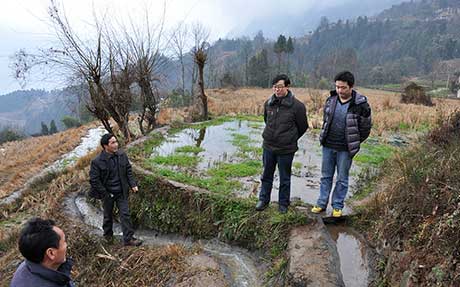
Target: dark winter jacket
[
  {"x": 31, "y": 274},
  {"x": 285, "y": 122},
  {"x": 358, "y": 121},
  {"x": 99, "y": 174}
]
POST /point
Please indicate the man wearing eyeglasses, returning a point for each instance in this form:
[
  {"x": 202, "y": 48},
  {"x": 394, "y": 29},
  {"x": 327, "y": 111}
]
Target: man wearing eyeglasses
[{"x": 285, "y": 122}]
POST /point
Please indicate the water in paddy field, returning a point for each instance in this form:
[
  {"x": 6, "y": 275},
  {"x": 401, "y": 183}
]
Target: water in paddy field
[{"x": 217, "y": 144}]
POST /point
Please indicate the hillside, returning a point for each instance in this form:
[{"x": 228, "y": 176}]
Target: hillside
[
  {"x": 413, "y": 216},
  {"x": 411, "y": 39},
  {"x": 25, "y": 110}
]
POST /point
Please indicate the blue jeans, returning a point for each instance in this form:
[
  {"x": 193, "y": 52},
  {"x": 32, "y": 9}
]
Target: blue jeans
[
  {"x": 284, "y": 161},
  {"x": 333, "y": 159}
]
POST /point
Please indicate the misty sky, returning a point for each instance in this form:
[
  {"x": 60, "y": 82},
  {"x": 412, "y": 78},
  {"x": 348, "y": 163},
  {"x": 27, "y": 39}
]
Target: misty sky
[{"x": 24, "y": 23}]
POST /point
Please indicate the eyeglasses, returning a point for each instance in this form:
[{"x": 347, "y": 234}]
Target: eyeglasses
[{"x": 278, "y": 86}]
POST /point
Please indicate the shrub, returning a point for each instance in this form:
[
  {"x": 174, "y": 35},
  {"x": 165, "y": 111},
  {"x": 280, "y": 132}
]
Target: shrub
[
  {"x": 70, "y": 122},
  {"x": 415, "y": 94}
]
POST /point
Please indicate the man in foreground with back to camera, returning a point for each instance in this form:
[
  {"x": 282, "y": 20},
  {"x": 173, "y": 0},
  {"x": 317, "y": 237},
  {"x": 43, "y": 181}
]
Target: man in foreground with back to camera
[
  {"x": 44, "y": 248},
  {"x": 346, "y": 124},
  {"x": 285, "y": 122},
  {"x": 111, "y": 178}
]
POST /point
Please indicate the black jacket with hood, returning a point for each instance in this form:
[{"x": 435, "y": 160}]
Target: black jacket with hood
[{"x": 358, "y": 120}]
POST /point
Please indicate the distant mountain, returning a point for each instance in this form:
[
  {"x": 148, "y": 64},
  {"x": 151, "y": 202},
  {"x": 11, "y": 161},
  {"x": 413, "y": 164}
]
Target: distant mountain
[
  {"x": 427, "y": 10},
  {"x": 299, "y": 24},
  {"x": 25, "y": 110},
  {"x": 410, "y": 39}
]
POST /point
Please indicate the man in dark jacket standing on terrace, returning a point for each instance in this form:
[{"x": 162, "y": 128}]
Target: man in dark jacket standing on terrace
[
  {"x": 346, "y": 124},
  {"x": 285, "y": 122},
  {"x": 111, "y": 179},
  {"x": 44, "y": 247}
]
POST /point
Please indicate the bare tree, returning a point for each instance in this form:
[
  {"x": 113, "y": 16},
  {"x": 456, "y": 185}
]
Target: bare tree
[
  {"x": 118, "y": 61},
  {"x": 200, "y": 54},
  {"x": 179, "y": 45}
]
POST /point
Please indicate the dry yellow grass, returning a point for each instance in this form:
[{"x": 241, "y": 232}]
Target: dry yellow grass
[
  {"x": 22, "y": 159},
  {"x": 388, "y": 113}
]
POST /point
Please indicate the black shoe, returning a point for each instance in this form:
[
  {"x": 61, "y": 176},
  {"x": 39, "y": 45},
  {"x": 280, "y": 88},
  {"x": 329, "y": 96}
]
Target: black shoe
[
  {"x": 133, "y": 242},
  {"x": 283, "y": 209},
  {"x": 261, "y": 205}
]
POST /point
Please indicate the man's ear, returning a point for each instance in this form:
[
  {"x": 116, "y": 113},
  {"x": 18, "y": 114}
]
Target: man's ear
[{"x": 50, "y": 253}]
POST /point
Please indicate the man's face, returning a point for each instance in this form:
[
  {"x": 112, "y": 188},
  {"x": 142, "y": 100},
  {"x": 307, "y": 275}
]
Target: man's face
[
  {"x": 343, "y": 89},
  {"x": 112, "y": 147},
  {"x": 280, "y": 89},
  {"x": 61, "y": 251}
]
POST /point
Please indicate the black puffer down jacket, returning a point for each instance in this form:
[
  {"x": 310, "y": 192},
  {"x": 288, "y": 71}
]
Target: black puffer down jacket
[
  {"x": 285, "y": 122},
  {"x": 359, "y": 121}
]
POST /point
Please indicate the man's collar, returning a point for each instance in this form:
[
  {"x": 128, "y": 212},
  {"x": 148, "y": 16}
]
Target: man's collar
[{"x": 60, "y": 276}]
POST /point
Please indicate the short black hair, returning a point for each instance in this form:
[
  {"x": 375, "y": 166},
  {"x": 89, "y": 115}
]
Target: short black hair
[
  {"x": 105, "y": 139},
  {"x": 36, "y": 237},
  {"x": 283, "y": 77},
  {"x": 345, "y": 76}
]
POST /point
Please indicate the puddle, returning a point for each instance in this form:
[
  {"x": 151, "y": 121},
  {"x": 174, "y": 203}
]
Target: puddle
[
  {"x": 216, "y": 142},
  {"x": 238, "y": 265},
  {"x": 353, "y": 255}
]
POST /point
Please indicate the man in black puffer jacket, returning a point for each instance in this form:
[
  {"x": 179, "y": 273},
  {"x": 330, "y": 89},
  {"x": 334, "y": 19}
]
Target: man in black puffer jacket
[
  {"x": 285, "y": 122},
  {"x": 346, "y": 124}
]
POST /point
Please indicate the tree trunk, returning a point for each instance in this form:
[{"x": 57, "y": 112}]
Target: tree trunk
[{"x": 204, "y": 98}]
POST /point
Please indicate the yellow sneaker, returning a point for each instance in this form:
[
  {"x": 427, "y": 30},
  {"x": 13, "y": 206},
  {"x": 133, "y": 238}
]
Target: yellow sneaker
[
  {"x": 336, "y": 212},
  {"x": 316, "y": 209}
]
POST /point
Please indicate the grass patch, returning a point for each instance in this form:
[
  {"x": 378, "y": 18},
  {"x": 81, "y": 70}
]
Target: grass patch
[
  {"x": 181, "y": 160},
  {"x": 146, "y": 148},
  {"x": 374, "y": 153},
  {"x": 190, "y": 149},
  {"x": 297, "y": 165},
  {"x": 214, "y": 184},
  {"x": 243, "y": 144},
  {"x": 160, "y": 206},
  {"x": 243, "y": 169},
  {"x": 250, "y": 118}
]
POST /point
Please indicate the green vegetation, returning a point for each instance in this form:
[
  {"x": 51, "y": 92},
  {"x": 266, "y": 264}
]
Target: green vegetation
[
  {"x": 190, "y": 149},
  {"x": 214, "y": 184},
  {"x": 144, "y": 150},
  {"x": 243, "y": 169},
  {"x": 243, "y": 144},
  {"x": 297, "y": 165},
  {"x": 181, "y": 160},
  {"x": 9, "y": 134},
  {"x": 373, "y": 153},
  {"x": 162, "y": 207}
]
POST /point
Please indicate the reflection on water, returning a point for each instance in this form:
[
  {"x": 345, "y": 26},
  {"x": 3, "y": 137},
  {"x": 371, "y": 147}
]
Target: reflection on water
[
  {"x": 353, "y": 256},
  {"x": 215, "y": 140},
  {"x": 217, "y": 144}
]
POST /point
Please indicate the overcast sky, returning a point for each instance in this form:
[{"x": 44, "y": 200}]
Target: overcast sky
[{"x": 23, "y": 23}]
